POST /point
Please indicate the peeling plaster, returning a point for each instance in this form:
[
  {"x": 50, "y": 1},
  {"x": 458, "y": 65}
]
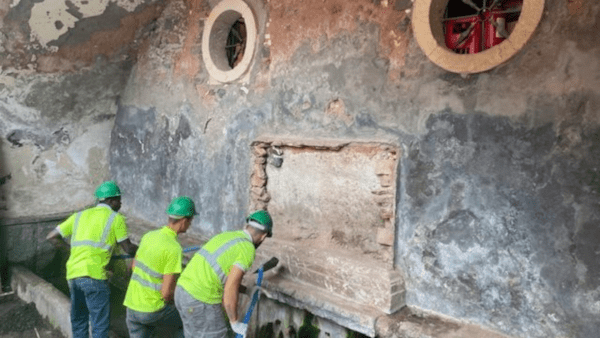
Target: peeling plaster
[
  {"x": 49, "y": 20},
  {"x": 95, "y": 137},
  {"x": 52, "y": 18}
]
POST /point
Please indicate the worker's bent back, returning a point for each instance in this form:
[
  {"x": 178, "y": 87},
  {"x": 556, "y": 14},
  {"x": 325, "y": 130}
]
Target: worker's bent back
[
  {"x": 94, "y": 233},
  {"x": 204, "y": 277}
]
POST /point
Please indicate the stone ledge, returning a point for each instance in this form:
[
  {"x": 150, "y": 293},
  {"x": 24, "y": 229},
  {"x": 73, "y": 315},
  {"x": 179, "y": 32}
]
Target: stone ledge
[
  {"x": 59, "y": 217},
  {"x": 350, "y": 291},
  {"x": 357, "y": 317},
  {"x": 320, "y": 142},
  {"x": 49, "y": 301},
  {"x": 356, "y": 278},
  {"x": 411, "y": 322},
  {"x": 408, "y": 322}
]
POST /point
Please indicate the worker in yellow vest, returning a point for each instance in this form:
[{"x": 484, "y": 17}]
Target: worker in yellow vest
[
  {"x": 149, "y": 297},
  {"x": 211, "y": 280},
  {"x": 94, "y": 233}
]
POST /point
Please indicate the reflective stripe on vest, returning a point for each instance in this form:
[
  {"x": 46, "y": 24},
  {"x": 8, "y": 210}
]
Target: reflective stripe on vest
[
  {"x": 143, "y": 282},
  {"x": 102, "y": 243},
  {"x": 149, "y": 271},
  {"x": 211, "y": 258}
]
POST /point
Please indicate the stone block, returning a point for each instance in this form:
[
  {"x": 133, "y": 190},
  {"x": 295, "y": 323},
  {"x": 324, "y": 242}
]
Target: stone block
[
  {"x": 387, "y": 254},
  {"x": 385, "y": 236},
  {"x": 383, "y": 192},
  {"x": 264, "y": 197},
  {"x": 260, "y": 194},
  {"x": 259, "y": 150},
  {"x": 325, "y": 305},
  {"x": 386, "y": 213},
  {"x": 360, "y": 280},
  {"x": 257, "y": 181},
  {"x": 259, "y": 170},
  {"x": 385, "y": 201},
  {"x": 385, "y": 180},
  {"x": 257, "y": 191},
  {"x": 259, "y": 205},
  {"x": 384, "y": 167}
]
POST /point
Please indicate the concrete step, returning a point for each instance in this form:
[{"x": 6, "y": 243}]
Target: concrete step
[{"x": 49, "y": 302}]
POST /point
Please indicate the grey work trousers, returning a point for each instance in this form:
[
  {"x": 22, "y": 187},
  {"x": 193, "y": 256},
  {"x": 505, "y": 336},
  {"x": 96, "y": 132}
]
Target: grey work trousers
[{"x": 200, "y": 320}]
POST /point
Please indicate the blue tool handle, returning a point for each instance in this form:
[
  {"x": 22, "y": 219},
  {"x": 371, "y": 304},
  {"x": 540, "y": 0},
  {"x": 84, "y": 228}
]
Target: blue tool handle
[
  {"x": 188, "y": 249},
  {"x": 255, "y": 297}
]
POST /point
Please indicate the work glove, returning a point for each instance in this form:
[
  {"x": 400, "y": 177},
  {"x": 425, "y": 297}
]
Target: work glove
[{"x": 239, "y": 328}]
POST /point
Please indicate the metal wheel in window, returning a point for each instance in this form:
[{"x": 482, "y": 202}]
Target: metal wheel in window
[
  {"x": 472, "y": 26},
  {"x": 229, "y": 40},
  {"x": 471, "y": 36}
]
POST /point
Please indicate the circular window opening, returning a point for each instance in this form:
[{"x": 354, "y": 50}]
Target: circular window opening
[
  {"x": 472, "y": 26},
  {"x": 236, "y": 43},
  {"x": 228, "y": 40},
  {"x": 471, "y": 36}
]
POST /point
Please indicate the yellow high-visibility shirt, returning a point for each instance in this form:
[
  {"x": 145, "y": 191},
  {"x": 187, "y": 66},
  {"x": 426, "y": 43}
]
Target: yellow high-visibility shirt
[
  {"x": 204, "y": 277},
  {"x": 94, "y": 233},
  {"x": 159, "y": 254}
]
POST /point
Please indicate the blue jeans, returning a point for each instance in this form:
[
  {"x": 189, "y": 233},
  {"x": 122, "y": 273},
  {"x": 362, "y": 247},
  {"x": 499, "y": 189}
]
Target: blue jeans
[
  {"x": 142, "y": 324},
  {"x": 90, "y": 301}
]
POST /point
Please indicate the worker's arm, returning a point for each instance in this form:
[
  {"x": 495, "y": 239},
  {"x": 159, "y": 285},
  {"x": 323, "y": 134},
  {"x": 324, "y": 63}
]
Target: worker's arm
[
  {"x": 56, "y": 239},
  {"x": 168, "y": 287},
  {"x": 230, "y": 294},
  {"x": 128, "y": 247}
]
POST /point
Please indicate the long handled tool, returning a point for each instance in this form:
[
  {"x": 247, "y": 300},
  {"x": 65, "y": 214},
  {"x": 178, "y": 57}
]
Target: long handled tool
[
  {"x": 188, "y": 249},
  {"x": 7, "y": 293},
  {"x": 271, "y": 263}
]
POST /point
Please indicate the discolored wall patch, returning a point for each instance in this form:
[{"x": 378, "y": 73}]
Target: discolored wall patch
[{"x": 292, "y": 23}]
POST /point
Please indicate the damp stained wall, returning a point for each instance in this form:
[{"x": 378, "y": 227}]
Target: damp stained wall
[
  {"x": 63, "y": 65},
  {"x": 498, "y": 184}
]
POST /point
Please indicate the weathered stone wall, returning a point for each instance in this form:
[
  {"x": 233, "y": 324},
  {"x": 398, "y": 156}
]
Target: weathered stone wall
[
  {"x": 63, "y": 66},
  {"x": 27, "y": 245},
  {"x": 499, "y": 177}
]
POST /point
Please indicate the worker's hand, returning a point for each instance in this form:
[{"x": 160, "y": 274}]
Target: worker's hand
[{"x": 239, "y": 328}]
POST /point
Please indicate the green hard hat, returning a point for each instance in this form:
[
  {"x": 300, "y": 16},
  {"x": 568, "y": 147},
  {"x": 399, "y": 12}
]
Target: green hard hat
[
  {"x": 107, "y": 189},
  {"x": 181, "y": 206},
  {"x": 261, "y": 220}
]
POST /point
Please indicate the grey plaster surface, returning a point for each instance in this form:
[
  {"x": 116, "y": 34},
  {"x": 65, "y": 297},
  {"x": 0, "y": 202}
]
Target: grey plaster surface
[
  {"x": 497, "y": 226},
  {"x": 56, "y": 130},
  {"x": 497, "y": 185}
]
